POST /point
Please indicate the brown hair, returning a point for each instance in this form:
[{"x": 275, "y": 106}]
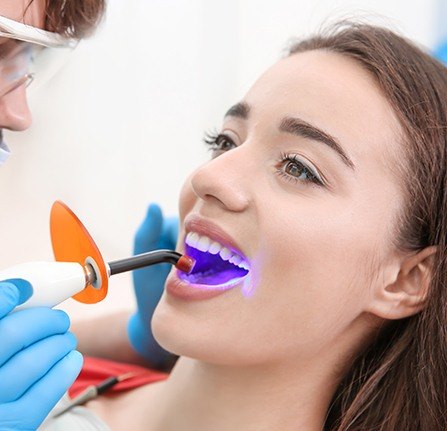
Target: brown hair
[
  {"x": 73, "y": 18},
  {"x": 400, "y": 382}
]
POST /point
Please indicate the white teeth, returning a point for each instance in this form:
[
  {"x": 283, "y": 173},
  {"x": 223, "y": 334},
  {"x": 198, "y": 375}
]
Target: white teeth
[
  {"x": 235, "y": 259},
  {"x": 225, "y": 254},
  {"x": 214, "y": 248},
  {"x": 205, "y": 244},
  {"x": 243, "y": 265}
]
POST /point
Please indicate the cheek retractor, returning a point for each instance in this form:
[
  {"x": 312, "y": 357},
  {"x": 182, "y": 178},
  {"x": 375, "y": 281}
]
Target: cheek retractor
[{"x": 80, "y": 271}]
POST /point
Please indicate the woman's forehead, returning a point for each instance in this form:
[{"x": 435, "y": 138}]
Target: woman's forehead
[{"x": 330, "y": 90}]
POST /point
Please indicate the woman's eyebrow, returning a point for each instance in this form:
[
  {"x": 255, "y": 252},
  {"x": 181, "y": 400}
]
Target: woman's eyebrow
[
  {"x": 299, "y": 127},
  {"x": 240, "y": 110}
]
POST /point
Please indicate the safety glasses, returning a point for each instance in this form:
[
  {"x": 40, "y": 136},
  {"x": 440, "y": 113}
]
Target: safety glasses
[{"x": 29, "y": 54}]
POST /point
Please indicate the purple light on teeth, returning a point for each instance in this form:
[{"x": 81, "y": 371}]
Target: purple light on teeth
[{"x": 211, "y": 269}]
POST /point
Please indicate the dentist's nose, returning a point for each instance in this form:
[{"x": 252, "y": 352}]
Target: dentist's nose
[
  {"x": 222, "y": 181},
  {"x": 14, "y": 111}
]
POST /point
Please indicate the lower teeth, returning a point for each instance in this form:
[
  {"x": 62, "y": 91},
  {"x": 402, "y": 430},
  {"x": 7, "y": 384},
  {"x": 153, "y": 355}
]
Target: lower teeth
[{"x": 194, "y": 278}]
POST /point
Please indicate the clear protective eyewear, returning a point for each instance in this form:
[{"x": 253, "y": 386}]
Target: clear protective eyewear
[{"x": 29, "y": 54}]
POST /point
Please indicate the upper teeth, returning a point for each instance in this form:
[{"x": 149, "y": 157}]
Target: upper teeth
[{"x": 203, "y": 243}]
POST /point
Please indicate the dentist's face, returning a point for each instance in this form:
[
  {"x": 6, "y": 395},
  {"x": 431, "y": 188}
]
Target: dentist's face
[
  {"x": 14, "y": 112},
  {"x": 300, "y": 187}
]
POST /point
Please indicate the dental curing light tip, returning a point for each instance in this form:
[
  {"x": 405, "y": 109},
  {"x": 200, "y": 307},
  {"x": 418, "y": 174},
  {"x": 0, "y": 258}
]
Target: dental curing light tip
[{"x": 185, "y": 264}]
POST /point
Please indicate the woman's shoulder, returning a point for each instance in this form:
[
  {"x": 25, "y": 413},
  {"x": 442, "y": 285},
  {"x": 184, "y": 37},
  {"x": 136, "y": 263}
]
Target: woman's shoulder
[{"x": 126, "y": 410}]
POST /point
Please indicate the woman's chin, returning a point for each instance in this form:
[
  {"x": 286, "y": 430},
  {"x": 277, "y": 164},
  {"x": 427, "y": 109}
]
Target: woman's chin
[
  {"x": 197, "y": 321},
  {"x": 180, "y": 333},
  {"x": 184, "y": 334},
  {"x": 165, "y": 330}
]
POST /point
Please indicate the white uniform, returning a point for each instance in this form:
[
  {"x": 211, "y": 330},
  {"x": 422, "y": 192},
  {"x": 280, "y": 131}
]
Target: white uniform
[
  {"x": 4, "y": 152},
  {"x": 77, "y": 419}
]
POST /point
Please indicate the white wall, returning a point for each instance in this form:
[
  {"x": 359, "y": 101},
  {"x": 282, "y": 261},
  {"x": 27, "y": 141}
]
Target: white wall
[{"x": 121, "y": 124}]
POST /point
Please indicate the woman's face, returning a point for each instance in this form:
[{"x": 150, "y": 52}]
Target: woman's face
[{"x": 304, "y": 191}]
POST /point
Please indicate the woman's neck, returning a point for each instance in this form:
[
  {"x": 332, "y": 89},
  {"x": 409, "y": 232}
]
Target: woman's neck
[{"x": 200, "y": 396}]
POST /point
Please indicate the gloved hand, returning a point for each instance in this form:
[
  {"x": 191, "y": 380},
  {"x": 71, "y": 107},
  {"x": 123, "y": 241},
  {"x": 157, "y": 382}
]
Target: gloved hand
[
  {"x": 154, "y": 233},
  {"x": 38, "y": 362},
  {"x": 441, "y": 52}
]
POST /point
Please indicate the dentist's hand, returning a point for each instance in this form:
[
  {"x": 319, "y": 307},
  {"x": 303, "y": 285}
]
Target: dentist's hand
[
  {"x": 38, "y": 362},
  {"x": 154, "y": 233},
  {"x": 441, "y": 52}
]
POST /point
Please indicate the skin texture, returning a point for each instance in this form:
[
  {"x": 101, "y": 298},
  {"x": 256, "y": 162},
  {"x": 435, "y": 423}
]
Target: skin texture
[
  {"x": 325, "y": 272},
  {"x": 14, "y": 111}
]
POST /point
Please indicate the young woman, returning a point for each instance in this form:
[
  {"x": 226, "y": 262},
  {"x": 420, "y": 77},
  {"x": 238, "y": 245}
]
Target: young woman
[{"x": 319, "y": 226}]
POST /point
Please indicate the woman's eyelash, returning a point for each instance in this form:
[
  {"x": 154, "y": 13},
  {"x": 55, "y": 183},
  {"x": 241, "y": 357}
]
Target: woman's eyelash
[
  {"x": 210, "y": 137},
  {"x": 218, "y": 141},
  {"x": 289, "y": 166}
]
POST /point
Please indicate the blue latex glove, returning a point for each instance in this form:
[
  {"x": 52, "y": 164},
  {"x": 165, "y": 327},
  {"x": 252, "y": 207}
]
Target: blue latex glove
[
  {"x": 441, "y": 52},
  {"x": 154, "y": 233},
  {"x": 37, "y": 360}
]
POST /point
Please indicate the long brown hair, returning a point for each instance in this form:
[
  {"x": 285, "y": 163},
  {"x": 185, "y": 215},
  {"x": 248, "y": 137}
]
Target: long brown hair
[
  {"x": 400, "y": 382},
  {"x": 73, "y": 18}
]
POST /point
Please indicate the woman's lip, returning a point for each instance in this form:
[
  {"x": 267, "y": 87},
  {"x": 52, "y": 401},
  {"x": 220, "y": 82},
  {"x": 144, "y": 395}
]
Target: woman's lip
[
  {"x": 194, "y": 223},
  {"x": 181, "y": 289}
]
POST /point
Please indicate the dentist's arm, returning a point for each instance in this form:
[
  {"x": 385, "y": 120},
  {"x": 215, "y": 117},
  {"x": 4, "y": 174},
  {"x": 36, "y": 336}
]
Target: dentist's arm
[{"x": 38, "y": 362}]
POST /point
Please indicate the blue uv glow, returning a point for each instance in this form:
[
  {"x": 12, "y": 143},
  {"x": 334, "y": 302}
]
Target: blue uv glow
[{"x": 211, "y": 269}]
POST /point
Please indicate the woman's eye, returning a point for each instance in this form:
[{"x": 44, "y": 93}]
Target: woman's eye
[
  {"x": 294, "y": 170},
  {"x": 298, "y": 170},
  {"x": 218, "y": 143}
]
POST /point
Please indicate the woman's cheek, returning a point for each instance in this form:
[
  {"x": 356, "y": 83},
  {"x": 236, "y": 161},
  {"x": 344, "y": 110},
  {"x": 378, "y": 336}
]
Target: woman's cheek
[{"x": 187, "y": 198}]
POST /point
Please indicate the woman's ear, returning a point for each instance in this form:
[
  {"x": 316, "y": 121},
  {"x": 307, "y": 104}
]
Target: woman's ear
[{"x": 406, "y": 294}]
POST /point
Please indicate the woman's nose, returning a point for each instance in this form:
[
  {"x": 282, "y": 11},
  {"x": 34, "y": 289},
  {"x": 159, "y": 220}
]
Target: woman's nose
[
  {"x": 14, "y": 111},
  {"x": 223, "y": 181}
]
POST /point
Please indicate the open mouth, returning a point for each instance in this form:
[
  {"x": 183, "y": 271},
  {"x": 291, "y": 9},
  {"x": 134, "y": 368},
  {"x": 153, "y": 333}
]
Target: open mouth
[{"x": 216, "y": 265}]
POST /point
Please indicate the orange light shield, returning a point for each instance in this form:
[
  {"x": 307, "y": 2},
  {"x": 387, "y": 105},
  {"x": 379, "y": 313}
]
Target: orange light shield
[{"x": 72, "y": 243}]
